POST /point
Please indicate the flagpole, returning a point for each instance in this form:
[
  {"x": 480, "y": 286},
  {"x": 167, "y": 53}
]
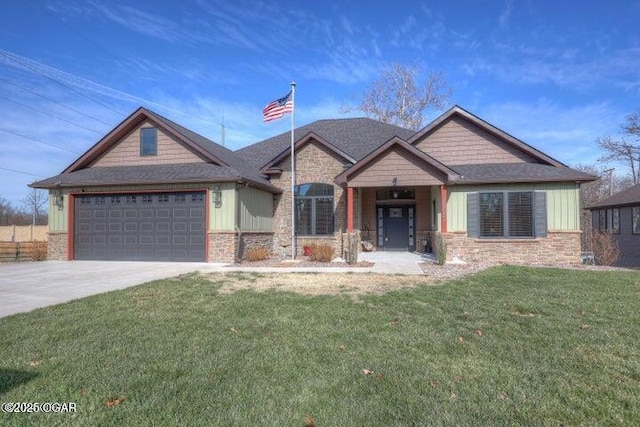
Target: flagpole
[{"x": 293, "y": 173}]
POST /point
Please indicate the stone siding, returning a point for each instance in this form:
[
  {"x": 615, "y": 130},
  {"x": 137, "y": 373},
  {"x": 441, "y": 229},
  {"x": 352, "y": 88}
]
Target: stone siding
[
  {"x": 222, "y": 247},
  {"x": 57, "y": 247},
  {"x": 255, "y": 240},
  {"x": 558, "y": 248},
  {"x": 314, "y": 163}
]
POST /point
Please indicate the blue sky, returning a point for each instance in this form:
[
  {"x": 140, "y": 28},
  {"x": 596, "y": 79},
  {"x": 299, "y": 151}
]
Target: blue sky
[{"x": 552, "y": 73}]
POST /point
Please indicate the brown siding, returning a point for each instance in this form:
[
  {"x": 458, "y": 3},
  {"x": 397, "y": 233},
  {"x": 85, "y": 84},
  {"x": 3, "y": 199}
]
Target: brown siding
[
  {"x": 396, "y": 163},
  {"x": 314, "y": 163},
  {"x": 127, "y": 151},
  {"x": 459, "y": 142}
]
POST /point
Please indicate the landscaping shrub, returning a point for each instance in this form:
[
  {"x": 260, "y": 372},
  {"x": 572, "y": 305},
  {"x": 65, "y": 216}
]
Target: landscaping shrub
[
  {"x": 39, "y": 251},
  {"x": 605, "y": 249},
  {"x": 257, "y": 254},
  {"x": 322, "y": 253}
]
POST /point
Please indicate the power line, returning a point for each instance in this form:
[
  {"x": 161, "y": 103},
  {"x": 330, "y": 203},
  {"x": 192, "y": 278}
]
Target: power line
[
  {"x": 39, "y": 140},
  {"x": 54, "y": 101},
  {"x": 47, "y": 72},
  {"x": 51, "y": 115},
  {"x": 58, "y": 76},
  {"x": 22, "y": 172}
]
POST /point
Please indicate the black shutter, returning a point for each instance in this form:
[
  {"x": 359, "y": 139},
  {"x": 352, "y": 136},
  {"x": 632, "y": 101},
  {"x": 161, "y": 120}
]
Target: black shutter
[
  {"x": 541, "y": 214},
  {"x": 473, "y": 215}
]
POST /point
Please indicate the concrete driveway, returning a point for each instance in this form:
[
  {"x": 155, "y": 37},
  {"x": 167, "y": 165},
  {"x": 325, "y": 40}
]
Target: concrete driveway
[{"x": 30, "y": 285}]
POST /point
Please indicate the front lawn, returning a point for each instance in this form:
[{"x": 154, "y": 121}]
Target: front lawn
[{"x": 508, "y": 346}]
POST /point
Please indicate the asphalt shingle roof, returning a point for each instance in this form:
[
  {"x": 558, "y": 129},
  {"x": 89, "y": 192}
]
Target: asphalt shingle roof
[
  {"x": 518, "y": 172},
  {"x": 147, "y": 174},
  {"x": 630, "y": 196},
  {"x": 356, "y": 137}
]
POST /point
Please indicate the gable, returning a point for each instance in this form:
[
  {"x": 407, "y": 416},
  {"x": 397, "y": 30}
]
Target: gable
[
  {"x": 396, "y": 163},
  {"x": 458, "y": 141},
  {"x": 126, "y": 151},
  {"x": 314, "y": 163}
]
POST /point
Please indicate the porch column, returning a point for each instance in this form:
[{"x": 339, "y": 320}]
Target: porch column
[
  {"x": 350, "y": 209},
  {"x": 443, "y": 208}
]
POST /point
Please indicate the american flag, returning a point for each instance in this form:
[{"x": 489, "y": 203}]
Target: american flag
[{"x": 278, "y": 108}]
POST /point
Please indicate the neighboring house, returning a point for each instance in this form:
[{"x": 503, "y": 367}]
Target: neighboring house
[
  {"x": 620, "y": 216},
  {"x": 153, "y": 190}
]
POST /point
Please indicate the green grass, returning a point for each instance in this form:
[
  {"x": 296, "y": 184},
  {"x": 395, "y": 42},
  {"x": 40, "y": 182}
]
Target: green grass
[{"x": 557, "y": 347}]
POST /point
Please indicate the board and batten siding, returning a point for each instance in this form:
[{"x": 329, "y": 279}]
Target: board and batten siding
[
  {"x": 256, "y": 209},
  {"x": 224, "y": 217},
  {"x": 58, "y": 218},
  {"x": 459, "y": 142},
  {"x": 563, "y": 204},
  {"x": 126, "y": 152}
]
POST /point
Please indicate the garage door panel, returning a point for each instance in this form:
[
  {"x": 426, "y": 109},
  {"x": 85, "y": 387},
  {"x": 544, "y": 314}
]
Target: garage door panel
[{"x": 161, "y": 226}]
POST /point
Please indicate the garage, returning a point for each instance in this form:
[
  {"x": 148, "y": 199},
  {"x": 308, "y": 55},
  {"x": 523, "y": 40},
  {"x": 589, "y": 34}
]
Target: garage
[{"x": 140, "y": 227}]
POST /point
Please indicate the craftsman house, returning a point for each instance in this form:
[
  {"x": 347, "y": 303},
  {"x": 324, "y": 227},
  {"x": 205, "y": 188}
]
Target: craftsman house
[
  {"x": 620, "y": 216},
  {"x": 154, "y": 190}
]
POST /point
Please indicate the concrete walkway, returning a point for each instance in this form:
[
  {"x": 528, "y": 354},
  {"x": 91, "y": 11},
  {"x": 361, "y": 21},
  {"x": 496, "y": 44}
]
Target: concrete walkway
[{"x": 30, "y": 285}]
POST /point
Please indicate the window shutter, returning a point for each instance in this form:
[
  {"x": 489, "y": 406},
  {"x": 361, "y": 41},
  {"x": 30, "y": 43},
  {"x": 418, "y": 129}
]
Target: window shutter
[
  {"x": 541, "y": 214},
  {"x": 473, "y": 215}
]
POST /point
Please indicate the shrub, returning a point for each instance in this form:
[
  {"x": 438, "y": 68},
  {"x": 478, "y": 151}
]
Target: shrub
[
  {"x": 257, "y": 254},
  {"x": 321, "y": 252},
  {"x": 39, "y": 251},
  {"x": 605, "y": 249}
]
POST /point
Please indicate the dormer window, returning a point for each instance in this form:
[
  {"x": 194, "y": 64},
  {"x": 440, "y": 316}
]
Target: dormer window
[{"x": 148, "y": 142}]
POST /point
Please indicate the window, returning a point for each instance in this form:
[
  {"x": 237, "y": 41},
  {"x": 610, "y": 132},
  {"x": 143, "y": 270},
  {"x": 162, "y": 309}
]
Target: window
[
  {"x": 163, "y": 198},
  {"x": 131, "y": 199},
  {"x": 100, "y": 200},
  {"x": 147, "y": 198},
  {"x": 491, "y": 214},
  {"x": 198, "y": 197},
  {"x": 635, "y": 212},
  {"x": 506, "y": 214},
  {"x": 115, "y": 200},
  {"x": 314, "y": 209},
  {"x": 181, "y": 198},
  {"x": 609, "y": 220},
  {"x": 148, "y": 141}
]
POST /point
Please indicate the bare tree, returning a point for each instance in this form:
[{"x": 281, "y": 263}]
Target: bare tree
[
  {"x": 398, "y": 97},
  {"x": 626, "y": 148},
  {"x": 36, "y": 204},
  {"x": 594, "y": 191}
]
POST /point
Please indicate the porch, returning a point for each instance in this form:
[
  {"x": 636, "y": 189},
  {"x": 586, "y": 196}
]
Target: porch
[{"x": 396, "y": 218}]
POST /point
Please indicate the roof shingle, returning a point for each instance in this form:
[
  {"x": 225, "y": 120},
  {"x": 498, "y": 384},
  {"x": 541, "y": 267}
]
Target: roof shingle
[{"x": 357, "y": 137}]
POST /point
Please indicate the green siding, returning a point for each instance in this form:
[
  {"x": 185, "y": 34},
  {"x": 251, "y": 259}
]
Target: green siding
[
  {"x": 224, "y": 217},
  {"x": 256, "y": 209},
  {"x": 563, "y": 203},
  {"x": 58, "y": 219}
]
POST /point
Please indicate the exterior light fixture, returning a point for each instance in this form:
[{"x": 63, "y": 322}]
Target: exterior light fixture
[
  {"x": 58, "y": 198},
  {"x": 394, "y": 181},
  {"x": 216, "y": 196}
]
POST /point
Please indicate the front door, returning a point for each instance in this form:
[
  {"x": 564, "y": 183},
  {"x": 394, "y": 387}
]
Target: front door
[{"x": 396, "y": 228}]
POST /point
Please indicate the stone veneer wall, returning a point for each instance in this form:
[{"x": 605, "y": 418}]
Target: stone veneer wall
[
  {"x": 559, "y": 247},
  {"x": 222, "y": 246},
  {"x": 57, "y": 247},
  {"x": 314, "y": 163},
  {"x": 255, "y": 239}
]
